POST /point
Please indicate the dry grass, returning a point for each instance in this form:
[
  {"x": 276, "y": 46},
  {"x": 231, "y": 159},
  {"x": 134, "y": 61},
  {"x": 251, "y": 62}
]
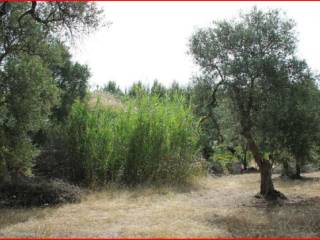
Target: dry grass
[
  {"x": 214, "y": 207},
  {"x": 105, "y": 99}
]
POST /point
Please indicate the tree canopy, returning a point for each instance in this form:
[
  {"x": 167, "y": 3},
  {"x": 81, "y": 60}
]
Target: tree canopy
[
  {"x": 252, "y": 59},
  {"x": 29, "y": 26},
  {"x": 38, "y": 80}
]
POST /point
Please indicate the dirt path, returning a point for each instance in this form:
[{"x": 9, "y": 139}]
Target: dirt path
[{"x": 215, "y": 207}]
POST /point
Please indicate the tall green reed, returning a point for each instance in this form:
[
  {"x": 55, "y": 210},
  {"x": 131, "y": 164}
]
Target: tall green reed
[{"x": 150, "y": 140}]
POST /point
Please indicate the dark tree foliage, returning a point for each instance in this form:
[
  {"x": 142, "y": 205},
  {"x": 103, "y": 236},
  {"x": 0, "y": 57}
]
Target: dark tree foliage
[
  {"x": 27, "y": 93},
  {"x": 25, "y": 26},
  {"x": 37, "y": 74},
  {"x": 71, "y": 79},
  {"x": 204, "y": 108},
  {"x": 300, "y": 129}
]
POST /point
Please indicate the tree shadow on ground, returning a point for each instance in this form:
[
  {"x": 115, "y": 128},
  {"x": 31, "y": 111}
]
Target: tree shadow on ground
[
  {"x": 296, "y": 217},
  {"x": 301, "y": 179}
]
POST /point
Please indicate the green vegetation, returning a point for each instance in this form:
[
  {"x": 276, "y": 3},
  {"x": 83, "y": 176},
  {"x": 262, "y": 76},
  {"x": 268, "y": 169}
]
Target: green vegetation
[
  {"x": 26, "y": 82},
  {"x": 254, "y": 104},
  {"x": 38, "y": 81},
  {"x": 252, "y": 65},
  {"x": 151, "y": 140}
]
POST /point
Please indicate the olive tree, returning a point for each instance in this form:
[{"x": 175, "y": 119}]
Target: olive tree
[
  {"x": 300, "y": 128},
  {"x": 249, "y": 58}
]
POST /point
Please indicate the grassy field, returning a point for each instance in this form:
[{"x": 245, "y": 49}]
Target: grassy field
[{"x": 213, "y": 207}]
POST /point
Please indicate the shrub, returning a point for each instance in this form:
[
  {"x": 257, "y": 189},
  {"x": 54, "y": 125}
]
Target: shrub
[
  {"x": 54, "y": 161},
  {"x": 151, "y": 140},
  {"x": 222, "y": 160},
  {"x": 216, "y": 167},
  {"x": 36, "y": 192}
]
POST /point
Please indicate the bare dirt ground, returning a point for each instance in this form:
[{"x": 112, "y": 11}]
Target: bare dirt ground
[{"x": 213, "y": 207}]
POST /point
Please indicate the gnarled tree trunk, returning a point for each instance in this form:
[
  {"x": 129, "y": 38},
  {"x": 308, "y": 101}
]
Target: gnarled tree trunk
[
  {"x": 4, "y": 173},
  {"x": 267, "y": 189},
  {"x": 266, "y": 184},
  {"x": 285, "y": 168},
  {"x": 298, "y": 170},
  {"x": 244, "y": 158}
]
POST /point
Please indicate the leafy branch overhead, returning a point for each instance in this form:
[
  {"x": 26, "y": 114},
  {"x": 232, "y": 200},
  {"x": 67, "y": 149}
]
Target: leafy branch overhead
[{"x": 26, "y": 25}]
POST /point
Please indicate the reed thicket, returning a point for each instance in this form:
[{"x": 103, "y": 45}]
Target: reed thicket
[{"x": 150, "y": 140}]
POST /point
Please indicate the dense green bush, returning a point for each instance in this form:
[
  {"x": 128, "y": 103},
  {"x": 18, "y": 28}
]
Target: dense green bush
[
  {"x": 216, "y": 167},
  {"x": 151, "y": 140},
  {"x": 223, "y": 159},
  {"x": 27, "y": 93},
  {"x": 53, "y": 161},
  {"x": 31, "y": 191}
]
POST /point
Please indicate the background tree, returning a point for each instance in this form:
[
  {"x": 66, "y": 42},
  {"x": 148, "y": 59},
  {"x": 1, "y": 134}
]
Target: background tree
[
  {"x": 301, "y": 128},
  {"x": 113, "y": 88},
  {"x": 138, "y": 90},
  {"x": 202, "y": 105},
  {"x": 70, "y": 77},
  {"x": 175, "y": 88},
  {"x": 158, "y": 89},
  {"x": 288, "y": 125}
]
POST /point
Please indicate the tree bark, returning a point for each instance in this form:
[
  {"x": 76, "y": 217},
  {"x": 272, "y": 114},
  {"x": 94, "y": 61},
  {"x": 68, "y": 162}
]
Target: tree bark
[
  {"x": 267, "y": 189},
  {"x": 4, "y": 173},
  {"x": 298, "y": 170},
  {"x": 285, "y": 169},
  {"x": 244, "y": 159},
  {"x": 266, "y": 184}
]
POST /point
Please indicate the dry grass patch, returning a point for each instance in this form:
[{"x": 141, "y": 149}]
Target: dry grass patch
[
  {"x": 215, "y": 207},
  {"x": 105, "y": 99}
]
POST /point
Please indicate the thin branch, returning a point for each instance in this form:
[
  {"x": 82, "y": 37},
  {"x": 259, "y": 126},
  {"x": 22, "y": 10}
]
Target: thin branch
[
  {"x": 212, "y": 104},
  {"x": 32, "y": 12}
]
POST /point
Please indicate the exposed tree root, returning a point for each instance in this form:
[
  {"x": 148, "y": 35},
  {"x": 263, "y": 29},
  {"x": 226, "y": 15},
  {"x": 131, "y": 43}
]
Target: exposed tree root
[{"x": 274, "y": 195}]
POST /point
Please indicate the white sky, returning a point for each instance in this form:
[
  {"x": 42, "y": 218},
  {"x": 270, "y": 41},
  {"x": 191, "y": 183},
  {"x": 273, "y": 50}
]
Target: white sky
[{"x": 149, "y": 40}]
